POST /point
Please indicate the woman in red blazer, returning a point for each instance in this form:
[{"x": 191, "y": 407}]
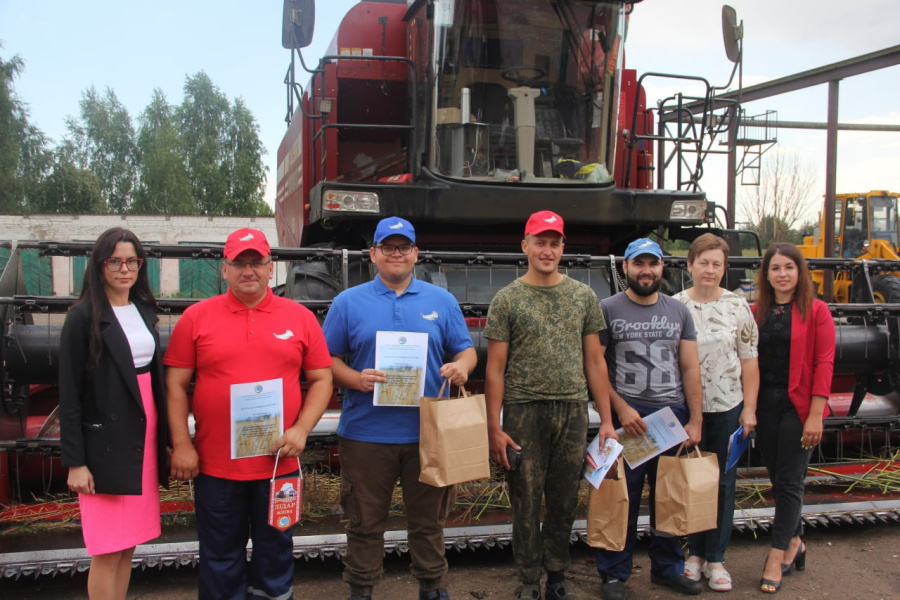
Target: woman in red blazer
[{"x": 796, "y": 363}]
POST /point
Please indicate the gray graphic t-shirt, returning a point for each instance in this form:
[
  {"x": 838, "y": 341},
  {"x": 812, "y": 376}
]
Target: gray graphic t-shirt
[{"x": 642, "y": 348}]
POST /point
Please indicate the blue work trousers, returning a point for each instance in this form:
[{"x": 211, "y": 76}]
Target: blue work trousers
[
  {"x": 229, "y": 513},
  {"x": 666, "y": 556}
]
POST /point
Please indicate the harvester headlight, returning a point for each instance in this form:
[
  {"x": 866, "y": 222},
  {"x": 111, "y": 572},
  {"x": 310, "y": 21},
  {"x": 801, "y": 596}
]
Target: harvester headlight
[
  {"x": 688, "y": 210},
  {"x": 349, "y": 201}
]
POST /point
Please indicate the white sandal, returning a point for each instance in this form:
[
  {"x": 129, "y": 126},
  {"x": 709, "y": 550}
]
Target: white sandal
[
  {"x": 692, "y": 569},
  {"x": 719, "y": 579}
]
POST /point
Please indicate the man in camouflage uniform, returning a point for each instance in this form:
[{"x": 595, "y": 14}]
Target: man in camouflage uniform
[{"x": 543, "y": 355}]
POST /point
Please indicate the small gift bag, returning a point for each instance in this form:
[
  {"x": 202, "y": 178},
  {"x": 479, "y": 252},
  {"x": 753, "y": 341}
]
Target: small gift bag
[
  {"x": 285, "y": 497},
  {"x": 607, "y": 522},
  {"x": 453, "y": 439},
  {"x": 687, "y": 492}
]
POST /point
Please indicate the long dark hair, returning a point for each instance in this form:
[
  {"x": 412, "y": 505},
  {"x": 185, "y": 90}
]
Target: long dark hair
[
  {"x": 803, "y": 293},
  {"x": 92, "y": 290}
]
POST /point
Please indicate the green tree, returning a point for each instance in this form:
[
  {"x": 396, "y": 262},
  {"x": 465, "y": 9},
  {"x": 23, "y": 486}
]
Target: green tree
[
  {"x": 202, "y": 120},
  {"x": 165, "y": 185},
  {"x": 10, "y": 134},
  {"x": 772, "y": 229},
  {"x": 69, "y": 189},
  {"x": 222, "y": 151},
  {"x": 102, "y": 141},
  {"x": 244, "y": 164},
  {"x": 24, "y": 156}
]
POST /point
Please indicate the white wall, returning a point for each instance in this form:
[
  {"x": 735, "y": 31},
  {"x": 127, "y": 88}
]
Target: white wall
[{"x": 148, "y": 228}]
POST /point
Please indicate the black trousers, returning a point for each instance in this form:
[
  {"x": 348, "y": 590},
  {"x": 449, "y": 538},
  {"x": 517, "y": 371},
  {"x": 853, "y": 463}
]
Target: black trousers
[{"x": 779, "y": 432}]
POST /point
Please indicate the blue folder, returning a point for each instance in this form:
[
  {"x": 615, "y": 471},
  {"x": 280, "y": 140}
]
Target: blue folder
[{"x": 737, "y": 445}]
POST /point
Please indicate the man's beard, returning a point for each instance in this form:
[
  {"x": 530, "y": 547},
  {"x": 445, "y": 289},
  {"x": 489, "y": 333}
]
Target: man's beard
[{"x": 642, "y": 290}]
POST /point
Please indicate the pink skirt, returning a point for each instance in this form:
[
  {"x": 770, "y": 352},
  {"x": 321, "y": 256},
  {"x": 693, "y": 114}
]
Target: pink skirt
[{"x": 112, "y": 522}]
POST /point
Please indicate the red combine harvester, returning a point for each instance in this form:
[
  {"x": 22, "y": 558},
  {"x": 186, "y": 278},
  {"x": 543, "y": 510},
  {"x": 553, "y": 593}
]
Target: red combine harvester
[{"x": 463, "y": 116}]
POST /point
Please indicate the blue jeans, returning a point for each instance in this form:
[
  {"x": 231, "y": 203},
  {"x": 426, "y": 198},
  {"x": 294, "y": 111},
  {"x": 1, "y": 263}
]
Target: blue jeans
[
  {"x": 666, "y": 557},
  {"x": 717, "y": 428},
  {"x": 229, "y": 513}
]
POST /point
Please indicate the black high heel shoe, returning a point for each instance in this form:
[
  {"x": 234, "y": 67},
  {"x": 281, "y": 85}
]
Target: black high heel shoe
[
  {"x": 800, "y": 559},
  {"x": 799, "y": 562},
  {"x": 769, "y": 586}
]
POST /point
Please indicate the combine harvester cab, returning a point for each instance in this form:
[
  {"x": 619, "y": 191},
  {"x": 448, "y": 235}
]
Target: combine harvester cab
[{"x": 465, "y": 117}]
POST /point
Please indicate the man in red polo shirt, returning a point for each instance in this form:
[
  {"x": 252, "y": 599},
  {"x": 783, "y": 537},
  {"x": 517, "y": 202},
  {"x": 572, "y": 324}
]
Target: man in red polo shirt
[{"x": 247, "y": 348}]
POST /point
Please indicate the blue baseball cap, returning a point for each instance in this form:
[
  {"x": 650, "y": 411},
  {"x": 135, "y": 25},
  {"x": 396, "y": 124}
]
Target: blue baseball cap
[
  {"x": 643, "y": 246},
  {"x": 394, "y": 226}
]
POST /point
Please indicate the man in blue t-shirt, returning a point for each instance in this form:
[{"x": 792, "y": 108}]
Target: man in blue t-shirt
[
  {"x": 651, "y": 354},
  {"x": 379, "y": 444}
]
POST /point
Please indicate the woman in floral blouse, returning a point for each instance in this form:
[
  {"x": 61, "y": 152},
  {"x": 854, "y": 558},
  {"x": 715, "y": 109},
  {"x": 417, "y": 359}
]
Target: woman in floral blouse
[{"x": 726, "y": 339}]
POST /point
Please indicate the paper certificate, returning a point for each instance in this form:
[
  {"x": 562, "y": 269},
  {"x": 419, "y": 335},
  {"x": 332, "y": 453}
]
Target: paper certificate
[
  {"x": 403, "y": 357},
  {"x": 598, "y": 459},
  {"x": 663, "y": 432},
  {"x": 257, "y": 417}
]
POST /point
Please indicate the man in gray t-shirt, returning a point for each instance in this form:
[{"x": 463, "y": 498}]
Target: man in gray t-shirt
[
  {"x": 642, "y": 349},
  {"x": 651, "y": 353}
]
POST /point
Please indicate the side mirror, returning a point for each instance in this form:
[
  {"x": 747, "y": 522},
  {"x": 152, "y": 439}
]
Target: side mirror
[
  {"x": 298, "y": 23},
  {"x": 732, "y": 33}
]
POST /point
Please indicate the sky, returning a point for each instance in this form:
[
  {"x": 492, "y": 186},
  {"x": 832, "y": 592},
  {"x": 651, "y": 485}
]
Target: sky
[{"x": 134, "y": 47}]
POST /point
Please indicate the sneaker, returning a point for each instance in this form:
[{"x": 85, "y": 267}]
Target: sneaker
[
  {"x": 440, "y": 594},
  {"x": 563, "y": 590},
  {"x": 612, "y": 588},
  {"x": 679, "y": 583},
  {"x": 529, "y": 591}
]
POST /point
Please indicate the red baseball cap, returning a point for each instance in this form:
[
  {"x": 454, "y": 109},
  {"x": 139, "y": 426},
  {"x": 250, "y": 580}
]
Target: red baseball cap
[
  {"x": 544, "y": 220},
  {"x": 246, "y": 239}
]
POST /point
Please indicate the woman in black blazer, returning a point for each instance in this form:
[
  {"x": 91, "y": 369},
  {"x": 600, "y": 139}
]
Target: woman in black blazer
[{"x": 113, "y": 410}]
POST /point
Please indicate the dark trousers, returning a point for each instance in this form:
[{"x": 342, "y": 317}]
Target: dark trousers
[
  {"x": 369, "y": 473},
  {"x": 779, "y": 433},
  {"x": 228, "y": 514},
  {"x": 666, "y": 556},
  {"x": 717, "y": 428},
  {"x": 553, "y": 437}
]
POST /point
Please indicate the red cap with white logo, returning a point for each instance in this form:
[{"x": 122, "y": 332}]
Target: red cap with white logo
[
  {"x": 246, "y": 239},
  {"x": 545, "y": 220}
]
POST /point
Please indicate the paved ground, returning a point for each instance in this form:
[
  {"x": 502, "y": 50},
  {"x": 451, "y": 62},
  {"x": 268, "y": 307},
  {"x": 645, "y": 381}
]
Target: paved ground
[{"x": 846, "y": 563}]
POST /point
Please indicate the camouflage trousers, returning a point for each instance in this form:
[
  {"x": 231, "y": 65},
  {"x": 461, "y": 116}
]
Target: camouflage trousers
[{"x": 553, "y": 439}]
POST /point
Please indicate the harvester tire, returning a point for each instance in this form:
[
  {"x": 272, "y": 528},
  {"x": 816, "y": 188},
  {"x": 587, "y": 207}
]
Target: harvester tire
[
  {"x": 886, "y": 289},
  {"x": 321, "y": 280}
]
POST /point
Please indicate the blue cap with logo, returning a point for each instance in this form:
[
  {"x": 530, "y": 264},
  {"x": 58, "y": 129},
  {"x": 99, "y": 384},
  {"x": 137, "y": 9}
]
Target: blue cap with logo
[
  {"x": 643, "y": 246},
  {"x": 394, "y": 226}
]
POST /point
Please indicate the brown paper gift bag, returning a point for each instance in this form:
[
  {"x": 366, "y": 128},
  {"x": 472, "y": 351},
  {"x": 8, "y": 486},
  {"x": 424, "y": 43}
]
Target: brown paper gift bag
[
  {"x": 687, "y": 492},
  {"x": 453, "y": 439},
  {"x": 607, "y": 520}
]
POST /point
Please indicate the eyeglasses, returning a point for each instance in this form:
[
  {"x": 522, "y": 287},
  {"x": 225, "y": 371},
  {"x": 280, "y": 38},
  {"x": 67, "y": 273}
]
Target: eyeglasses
[
  {"x": 240, "y": 265},
  {"x": 115, "y": 264},
  {"x": 389, "y": 249}
]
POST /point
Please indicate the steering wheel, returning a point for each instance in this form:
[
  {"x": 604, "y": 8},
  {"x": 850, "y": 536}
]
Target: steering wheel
[{"x": 523, "y": 74}]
